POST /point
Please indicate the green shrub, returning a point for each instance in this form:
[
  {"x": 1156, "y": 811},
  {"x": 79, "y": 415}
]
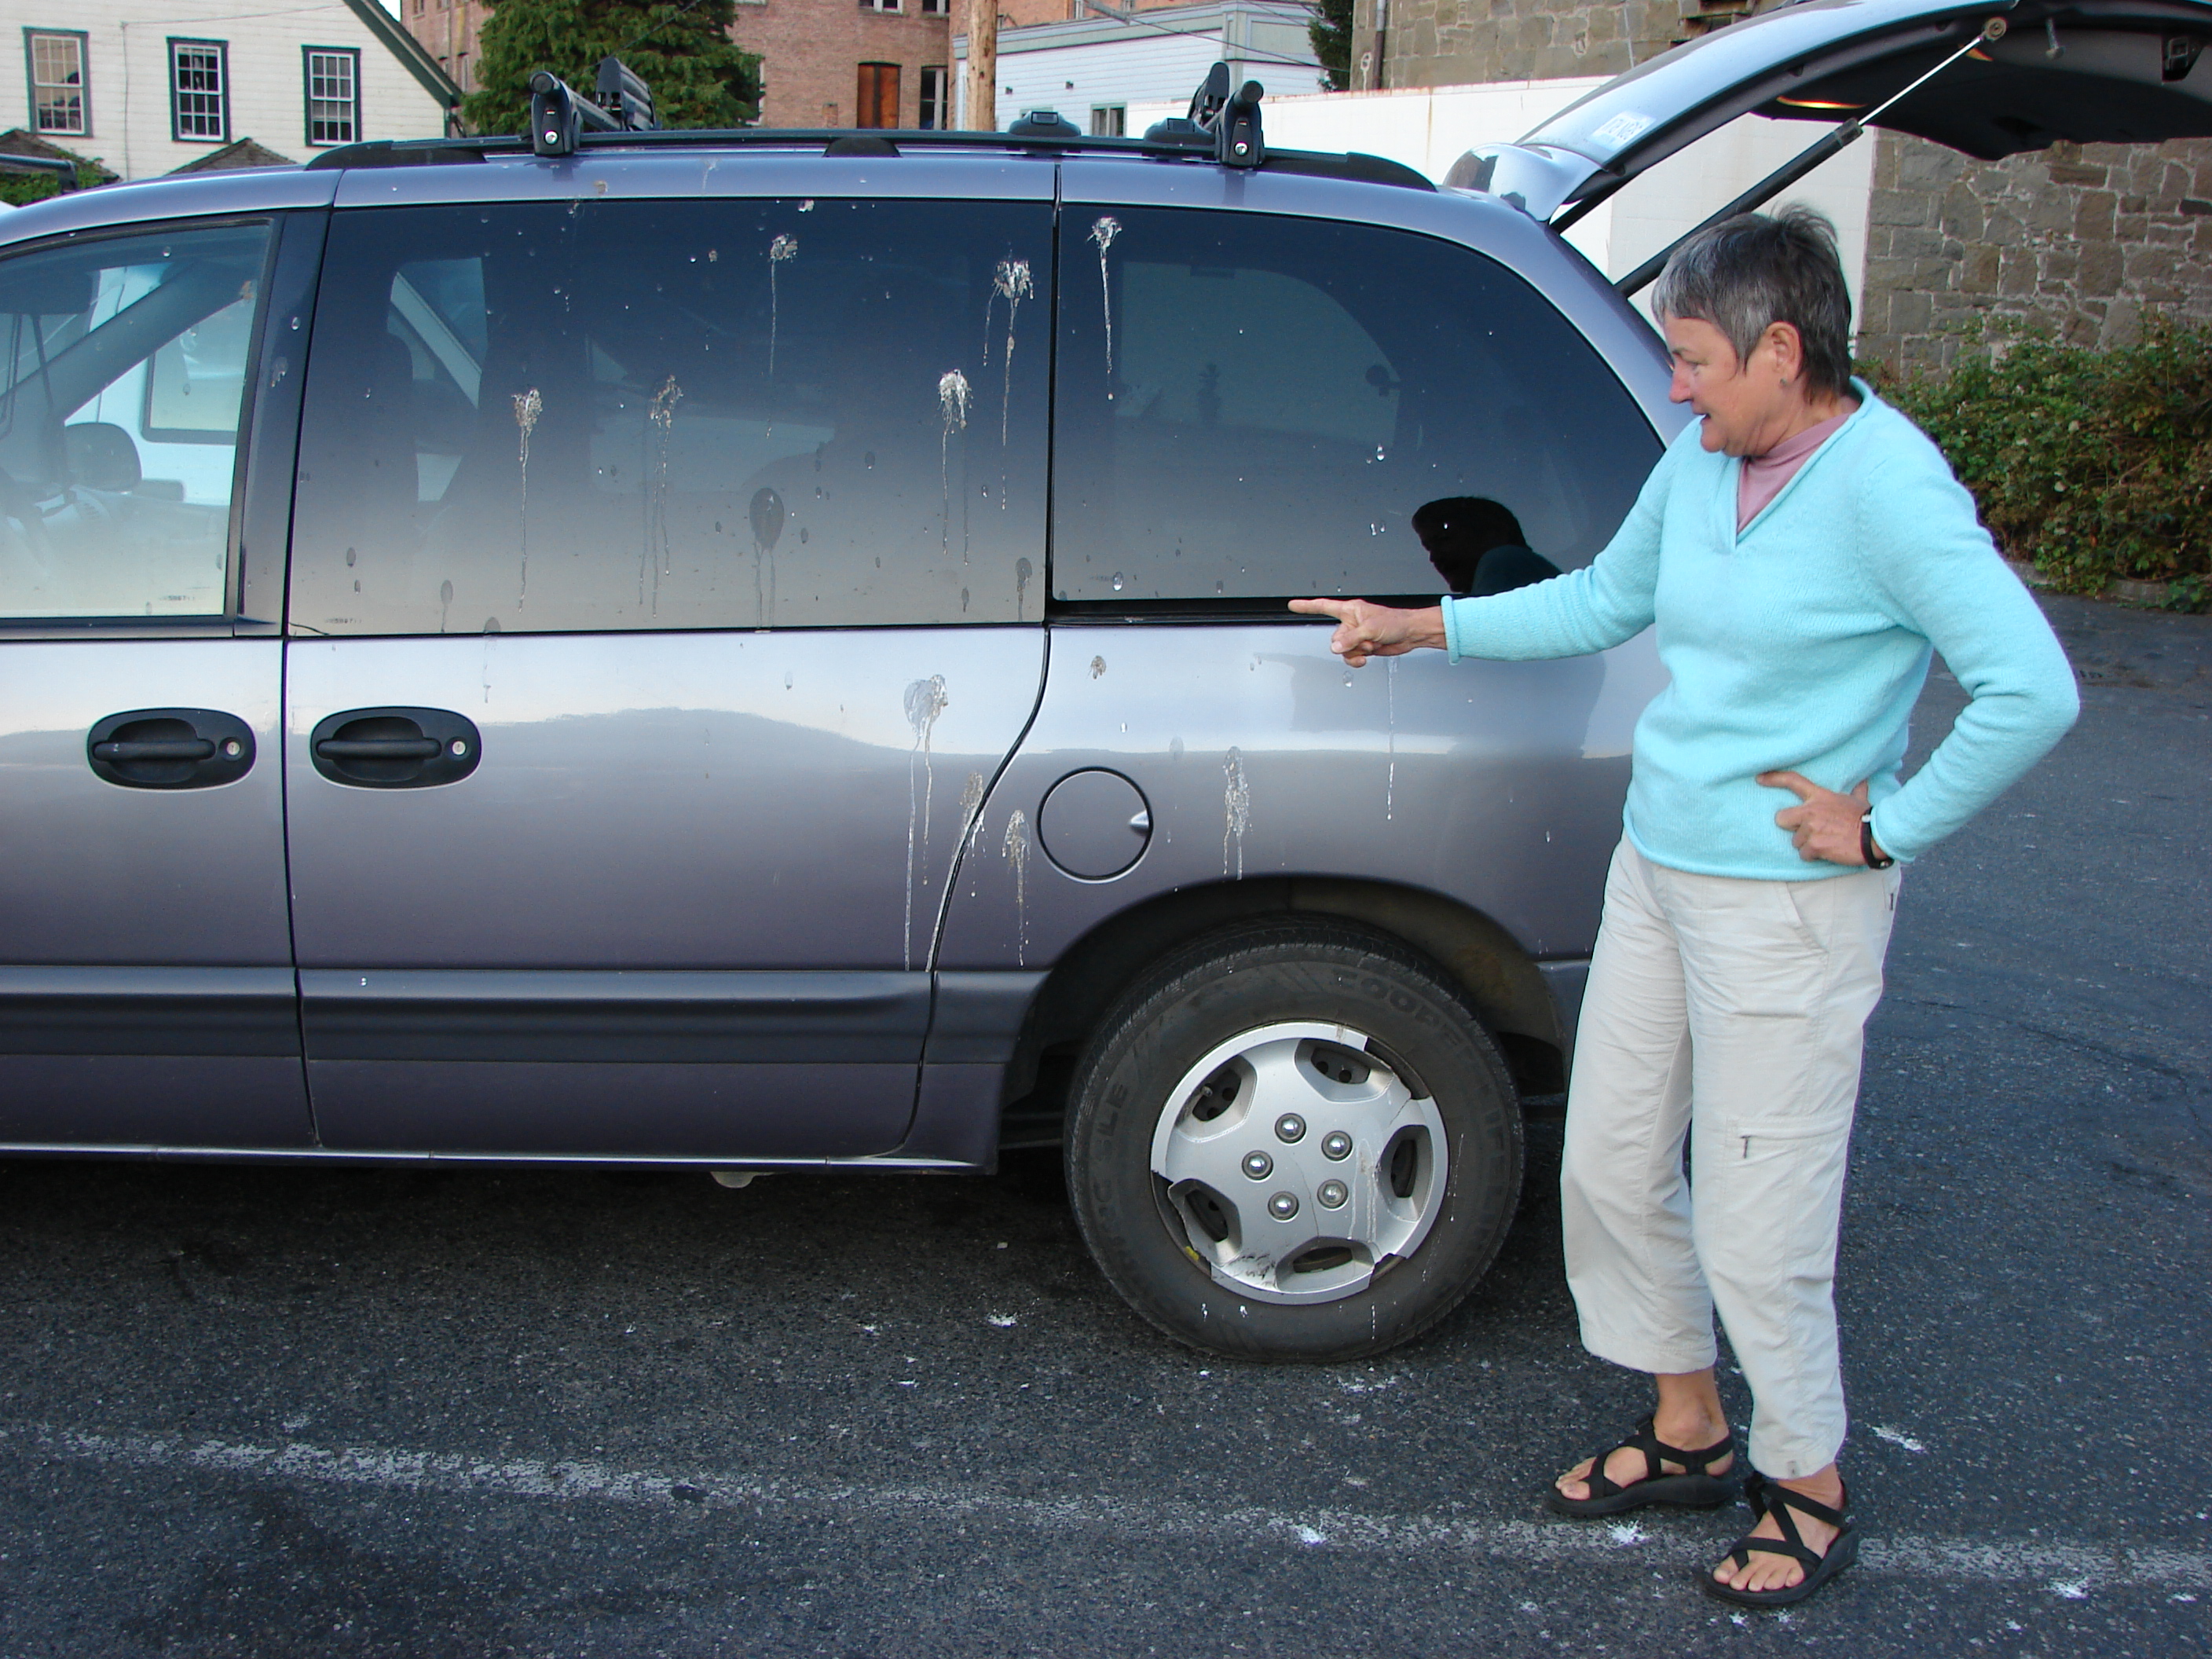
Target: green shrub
[
  {"x": 2093, "y": 465},
  {"x": 21, "y": 189}
]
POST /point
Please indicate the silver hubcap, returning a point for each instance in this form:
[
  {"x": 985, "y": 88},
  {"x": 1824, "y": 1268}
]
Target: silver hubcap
[{"x": 1297, "y": 1163}]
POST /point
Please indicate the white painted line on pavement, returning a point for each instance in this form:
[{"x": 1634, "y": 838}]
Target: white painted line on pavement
[{"x": 2081, "y": 1569}]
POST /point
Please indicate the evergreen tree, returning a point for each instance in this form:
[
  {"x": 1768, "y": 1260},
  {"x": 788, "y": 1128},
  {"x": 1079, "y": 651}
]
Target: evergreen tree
[
  {"x": 700, "y": 77},
  {"x": 1331, "y": 35}
]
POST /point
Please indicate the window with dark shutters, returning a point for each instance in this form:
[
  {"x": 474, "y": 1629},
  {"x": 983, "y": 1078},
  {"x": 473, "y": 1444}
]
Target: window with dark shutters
[
  {"x": 199, "y": 91},
  {"x": 58, "y": 82},
  {"x": 333, "y": 83}
]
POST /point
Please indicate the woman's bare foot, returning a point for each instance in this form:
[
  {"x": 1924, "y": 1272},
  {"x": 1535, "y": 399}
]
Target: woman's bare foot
[
  {"x": 1772, "y": 1571},
  {"x": 1625, "y": 1466},
  {"x": 1688, "y": 1415}
]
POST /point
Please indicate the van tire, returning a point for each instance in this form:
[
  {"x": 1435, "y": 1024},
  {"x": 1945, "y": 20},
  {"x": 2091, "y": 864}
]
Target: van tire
[{"x": 1288, "y": 976}]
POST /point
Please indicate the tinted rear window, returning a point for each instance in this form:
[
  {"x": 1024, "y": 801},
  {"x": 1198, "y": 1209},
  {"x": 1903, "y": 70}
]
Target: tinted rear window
[{"x": 1252, "y": 407}]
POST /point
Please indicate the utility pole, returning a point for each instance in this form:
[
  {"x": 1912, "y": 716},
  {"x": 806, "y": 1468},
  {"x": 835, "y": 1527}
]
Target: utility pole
[{"x": 979, "y": 21}]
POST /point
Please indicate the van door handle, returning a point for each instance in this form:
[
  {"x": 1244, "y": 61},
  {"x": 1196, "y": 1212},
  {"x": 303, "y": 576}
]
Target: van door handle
[
  {"x": 377, "y": 748},
  {"x": 395, "y": 748},
  {"x": 170, "y": 749},
  {"x": 184, "y": 749}
]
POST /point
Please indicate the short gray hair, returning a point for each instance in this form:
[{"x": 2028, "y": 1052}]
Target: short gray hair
[{"x": 1747, "y": 273}]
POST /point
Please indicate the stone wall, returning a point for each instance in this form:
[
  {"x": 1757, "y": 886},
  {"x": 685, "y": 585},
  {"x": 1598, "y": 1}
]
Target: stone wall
[
  {"x": 1447, "y": 43},
  {"x": 2079, "y": 241}
]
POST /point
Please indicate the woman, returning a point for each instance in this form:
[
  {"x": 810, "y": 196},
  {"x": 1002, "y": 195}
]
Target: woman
[{"x": 1799, "y": 550}]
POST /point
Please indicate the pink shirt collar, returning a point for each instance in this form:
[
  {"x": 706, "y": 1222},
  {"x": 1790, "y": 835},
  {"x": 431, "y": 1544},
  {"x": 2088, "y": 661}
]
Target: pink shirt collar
[{"x": 1761, "y": 477}]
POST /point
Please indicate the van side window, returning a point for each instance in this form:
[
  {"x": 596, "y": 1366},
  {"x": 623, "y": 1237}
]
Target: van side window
[
  {"x": 565, "y": 416},
  {"x": 1252, "y": 408},
  {"x": 120, "y": 396}
]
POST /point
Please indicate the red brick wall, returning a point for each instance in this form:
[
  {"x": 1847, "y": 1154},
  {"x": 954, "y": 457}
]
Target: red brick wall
[
  {"x": 447, "y": 29},
  {"x": 812, "y": 51}
]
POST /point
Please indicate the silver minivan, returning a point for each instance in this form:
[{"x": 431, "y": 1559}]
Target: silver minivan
[{"x": 766, "y": 651}]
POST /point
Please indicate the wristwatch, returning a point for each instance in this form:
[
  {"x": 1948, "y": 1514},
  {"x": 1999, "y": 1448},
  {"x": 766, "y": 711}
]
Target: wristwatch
[{"x": 1875, "y": 859}]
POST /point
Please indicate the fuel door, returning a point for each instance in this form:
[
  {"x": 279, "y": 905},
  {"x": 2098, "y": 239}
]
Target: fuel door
[{"x": 1095, "y": 824}]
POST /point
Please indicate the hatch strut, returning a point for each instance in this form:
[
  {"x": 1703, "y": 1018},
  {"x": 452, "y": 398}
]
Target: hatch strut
[{"x": 1791, "y": 171}]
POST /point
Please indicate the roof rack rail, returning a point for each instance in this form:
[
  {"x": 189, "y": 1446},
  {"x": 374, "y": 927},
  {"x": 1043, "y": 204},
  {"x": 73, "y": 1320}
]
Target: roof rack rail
[
  {"x": 1044, "y": 123},
  {"x": 409, "y": 152},
  {"x": 1223, "y": 124},
  {"x": 848, "y": 141}
]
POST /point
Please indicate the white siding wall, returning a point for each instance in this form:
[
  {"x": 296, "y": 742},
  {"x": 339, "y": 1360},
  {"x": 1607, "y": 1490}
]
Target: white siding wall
[
  {"x": 1073, "y": 67},
  {"x": 1429, "y": 129},
  {"x": 1149, "y": 68},
  {"x": 128, "y": 77}
]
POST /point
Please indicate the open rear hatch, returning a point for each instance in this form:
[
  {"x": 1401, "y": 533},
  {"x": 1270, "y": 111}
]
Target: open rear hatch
[{"x": 1993, "y": 79}]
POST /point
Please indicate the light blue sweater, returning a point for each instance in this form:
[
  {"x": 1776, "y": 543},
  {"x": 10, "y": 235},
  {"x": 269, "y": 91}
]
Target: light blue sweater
[{"x": 1802, "y": 644}]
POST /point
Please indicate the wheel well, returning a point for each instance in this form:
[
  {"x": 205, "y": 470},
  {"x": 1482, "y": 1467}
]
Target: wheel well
[{"x": 1500, "y": 981}]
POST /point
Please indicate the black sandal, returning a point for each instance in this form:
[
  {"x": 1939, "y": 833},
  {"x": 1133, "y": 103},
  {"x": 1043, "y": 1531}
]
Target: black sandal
[
  {"x": 1771, "y": 1498},
  {"x": 1697, "y": 1487}
]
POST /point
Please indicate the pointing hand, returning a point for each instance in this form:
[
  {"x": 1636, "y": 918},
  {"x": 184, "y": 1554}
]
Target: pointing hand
[{"x": 1365, "y": 630}]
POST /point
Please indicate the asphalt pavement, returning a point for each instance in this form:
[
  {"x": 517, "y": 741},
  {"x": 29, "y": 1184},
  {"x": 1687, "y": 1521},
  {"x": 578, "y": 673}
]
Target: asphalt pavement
[{"x": 424, "y": 1412}]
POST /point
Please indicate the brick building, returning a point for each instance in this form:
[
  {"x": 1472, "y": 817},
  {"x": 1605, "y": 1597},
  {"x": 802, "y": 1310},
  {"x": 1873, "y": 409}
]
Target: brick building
[
  {"x": 2080, "y": 241},
  {"x": 447, "y": 30},
  {"x": 823, "y": 63},
  {"x": 834, "y": 64}
]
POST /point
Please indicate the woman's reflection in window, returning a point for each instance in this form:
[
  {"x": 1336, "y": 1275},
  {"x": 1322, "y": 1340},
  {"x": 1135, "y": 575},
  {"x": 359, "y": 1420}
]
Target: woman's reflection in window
[{"x": 1478, "y": 547}]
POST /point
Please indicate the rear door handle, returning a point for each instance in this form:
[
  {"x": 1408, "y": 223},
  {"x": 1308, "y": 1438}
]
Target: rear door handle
[
  {"x": 395, "y": 748},
  {"x": 170, "y": 749},
  {"x": 189, "y": 749},
  {"x": 377, "y": 748}
]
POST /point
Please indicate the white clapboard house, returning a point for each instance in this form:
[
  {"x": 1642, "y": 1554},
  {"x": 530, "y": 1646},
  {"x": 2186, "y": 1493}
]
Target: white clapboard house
[{"x": 148, "y": 86}]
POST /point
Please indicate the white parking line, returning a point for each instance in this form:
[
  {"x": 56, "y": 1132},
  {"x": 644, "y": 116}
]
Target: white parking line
[{"x": 2080, "y": 1568}]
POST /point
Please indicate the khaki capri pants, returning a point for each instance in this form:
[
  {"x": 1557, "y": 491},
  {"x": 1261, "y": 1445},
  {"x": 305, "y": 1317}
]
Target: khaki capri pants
[{"x": 1732, "y": 1012}]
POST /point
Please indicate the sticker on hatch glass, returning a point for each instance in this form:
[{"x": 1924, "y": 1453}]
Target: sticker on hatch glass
[{"x": 1624, "y": 127}]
